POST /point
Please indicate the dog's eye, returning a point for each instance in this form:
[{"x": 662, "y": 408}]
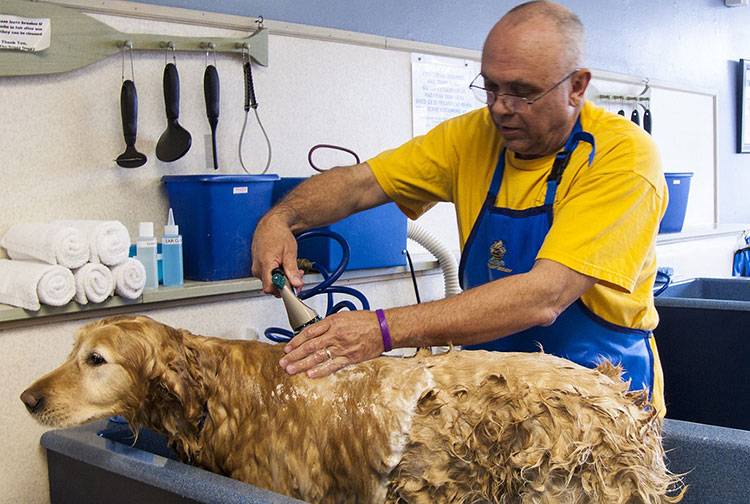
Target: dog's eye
[{"x": 95, "y": 359}]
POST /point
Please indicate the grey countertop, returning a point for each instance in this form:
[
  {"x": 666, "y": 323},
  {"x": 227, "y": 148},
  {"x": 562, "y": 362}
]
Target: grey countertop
[{"x": 191, "y": 293}]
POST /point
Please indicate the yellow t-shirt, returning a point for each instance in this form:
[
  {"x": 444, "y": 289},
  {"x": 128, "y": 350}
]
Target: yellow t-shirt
[{"x": 606, "y": 215}]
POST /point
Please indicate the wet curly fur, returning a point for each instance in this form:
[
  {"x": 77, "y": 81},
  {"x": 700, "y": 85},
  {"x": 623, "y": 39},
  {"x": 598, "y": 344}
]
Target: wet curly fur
[{"x": 464, "y": 427}]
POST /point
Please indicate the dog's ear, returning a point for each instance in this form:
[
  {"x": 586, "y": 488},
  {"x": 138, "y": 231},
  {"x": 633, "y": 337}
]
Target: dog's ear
[{"x": 178, "y": 373}]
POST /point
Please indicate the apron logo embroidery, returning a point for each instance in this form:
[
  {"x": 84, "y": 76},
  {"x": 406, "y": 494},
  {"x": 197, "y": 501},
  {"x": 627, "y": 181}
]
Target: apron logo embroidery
[{"x": 497, "y": 253}]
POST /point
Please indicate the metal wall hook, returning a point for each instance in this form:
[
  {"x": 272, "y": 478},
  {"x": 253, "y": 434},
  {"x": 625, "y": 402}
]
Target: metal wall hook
[
  {"x": 167, "y": 46},
  {"x": 646, "y": 88},
  {"x": 209, "y": 47},
  {"x": 245, "y": 51},
  {"x": 129, "y": 46}
]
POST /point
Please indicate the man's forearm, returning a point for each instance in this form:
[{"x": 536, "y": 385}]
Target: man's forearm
[
  {"x": 329, "y": 197},
  {"x": 491, "y": 311}
]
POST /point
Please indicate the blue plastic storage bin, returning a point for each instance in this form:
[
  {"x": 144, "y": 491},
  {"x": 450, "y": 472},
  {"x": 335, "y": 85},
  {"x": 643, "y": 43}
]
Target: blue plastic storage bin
[
  {"x": 376, "y": 237},
  {"x": 679, "y": 189},
  {"x": 217, "y": 215}
]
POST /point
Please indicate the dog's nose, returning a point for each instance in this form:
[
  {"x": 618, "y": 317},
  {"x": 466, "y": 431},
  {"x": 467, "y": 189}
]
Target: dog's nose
[{"x": 33, "y": 400}]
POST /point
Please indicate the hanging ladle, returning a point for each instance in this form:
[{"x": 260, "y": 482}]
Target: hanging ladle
[
  {"x": 131, "y": 158},
  {"x": 176, "y": 140}
]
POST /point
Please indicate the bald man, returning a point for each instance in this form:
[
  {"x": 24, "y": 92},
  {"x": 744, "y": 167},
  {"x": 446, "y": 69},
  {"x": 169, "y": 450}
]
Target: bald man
[{"x": 558, "y": 205}]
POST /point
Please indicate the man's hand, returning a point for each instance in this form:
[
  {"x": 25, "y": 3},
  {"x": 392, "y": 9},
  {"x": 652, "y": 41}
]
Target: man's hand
[
  {"x": 308, "y": 206},
  {"x": 274, "y": 246},
  {"x": 333, "y": 343}
]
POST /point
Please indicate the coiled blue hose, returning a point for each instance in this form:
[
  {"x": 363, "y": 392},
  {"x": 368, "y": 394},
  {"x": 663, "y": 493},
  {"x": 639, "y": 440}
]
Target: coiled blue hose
[{"x": 326, "y": 287}]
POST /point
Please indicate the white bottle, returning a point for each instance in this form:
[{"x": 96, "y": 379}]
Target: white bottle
[{"x": 146, "y": 253}]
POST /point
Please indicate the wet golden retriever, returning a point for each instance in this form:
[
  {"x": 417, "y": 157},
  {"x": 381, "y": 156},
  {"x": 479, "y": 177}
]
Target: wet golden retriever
[{"x": 460, "y": 427}]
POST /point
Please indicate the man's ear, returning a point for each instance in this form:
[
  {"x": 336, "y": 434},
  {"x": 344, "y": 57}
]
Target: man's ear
[{"x": 579, "y": 83}]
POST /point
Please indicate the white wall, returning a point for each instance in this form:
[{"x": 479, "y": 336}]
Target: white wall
[
  {"x": 59, "y": 148},
  {"x": 702, "y": 257}
]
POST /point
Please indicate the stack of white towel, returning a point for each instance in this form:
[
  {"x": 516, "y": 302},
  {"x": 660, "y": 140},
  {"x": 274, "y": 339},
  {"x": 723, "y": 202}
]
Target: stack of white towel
[{"x": 53, "y": 262}]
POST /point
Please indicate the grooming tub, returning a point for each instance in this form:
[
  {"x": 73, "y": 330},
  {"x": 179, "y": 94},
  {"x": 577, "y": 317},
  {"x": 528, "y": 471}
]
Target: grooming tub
[
  {"x": 98, "y": 463},
  {"x": 86, "y": 467}
]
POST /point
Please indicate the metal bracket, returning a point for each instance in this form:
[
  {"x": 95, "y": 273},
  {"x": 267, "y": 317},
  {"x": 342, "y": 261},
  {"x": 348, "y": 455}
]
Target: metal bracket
[{"x": 79, "y": 40}]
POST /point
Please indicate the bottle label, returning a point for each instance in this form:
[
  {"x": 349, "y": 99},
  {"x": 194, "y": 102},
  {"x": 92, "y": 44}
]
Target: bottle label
[
  {"x": 172, "y": 240},
  {"x": 147, "y": 242}
]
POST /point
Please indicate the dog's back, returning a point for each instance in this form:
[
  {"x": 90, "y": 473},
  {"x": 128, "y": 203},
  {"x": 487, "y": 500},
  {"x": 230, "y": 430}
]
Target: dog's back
[
  {"x": 469, "y": 427},
  {"x": 532, "y": 428}
]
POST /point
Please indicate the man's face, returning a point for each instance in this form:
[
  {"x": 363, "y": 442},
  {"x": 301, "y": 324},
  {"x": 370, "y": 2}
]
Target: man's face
[{"x": 527, "y": 60}]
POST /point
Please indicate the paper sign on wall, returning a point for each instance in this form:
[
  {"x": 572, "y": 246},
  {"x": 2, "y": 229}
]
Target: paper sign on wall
[
  {"x": 440, "y": 90},
  {"x": 24, "y": 34}
]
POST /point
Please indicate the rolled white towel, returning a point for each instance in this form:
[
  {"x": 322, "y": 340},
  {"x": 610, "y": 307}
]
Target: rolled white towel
[
  {"x": 130, "y": 278},
  {"x": 26, "y": 284},
  {"x": 94, "y": 282},
  {"x": 109, "y": 241},
  {"x": 49, "y": 243}
]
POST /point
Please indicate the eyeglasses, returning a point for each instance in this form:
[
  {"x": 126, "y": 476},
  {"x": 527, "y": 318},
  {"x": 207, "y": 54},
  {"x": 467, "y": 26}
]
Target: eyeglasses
[{"x": 512, "y": 102}]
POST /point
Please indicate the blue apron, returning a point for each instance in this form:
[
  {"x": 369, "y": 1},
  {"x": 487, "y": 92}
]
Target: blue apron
[{"x": 505, "y": 242}]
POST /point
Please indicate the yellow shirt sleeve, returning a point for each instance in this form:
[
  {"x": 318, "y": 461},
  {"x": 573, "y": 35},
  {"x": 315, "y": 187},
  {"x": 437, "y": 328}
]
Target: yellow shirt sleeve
[
  {"x": 607, "y": 222},
  {"x": 421, "y": 172}
]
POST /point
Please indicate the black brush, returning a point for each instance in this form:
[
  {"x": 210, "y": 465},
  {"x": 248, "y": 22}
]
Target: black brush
[
  {"x": 211, "y": 94},
  {"x": 131, "y": 158}
]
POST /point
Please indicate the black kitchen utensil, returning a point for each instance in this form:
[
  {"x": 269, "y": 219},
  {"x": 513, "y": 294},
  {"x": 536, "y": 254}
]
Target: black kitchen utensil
[
  {"x": 211, "y": 93},
  {"x": 176, "y": 140},
  {"x": 622, "y": 108},
  {"x": 251, "y": 102},
  {"x": 635, "y": 116},
  {"x": 131, "y": 158},
  {"x": 647, "y": 120}
]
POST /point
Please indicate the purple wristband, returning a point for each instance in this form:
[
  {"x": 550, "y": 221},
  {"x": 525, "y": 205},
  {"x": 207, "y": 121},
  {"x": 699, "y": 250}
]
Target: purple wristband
[{"x": 384, "y": 331}]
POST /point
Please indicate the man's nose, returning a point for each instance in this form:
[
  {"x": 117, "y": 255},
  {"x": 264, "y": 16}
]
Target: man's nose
[{"x": 500, "y": 107}]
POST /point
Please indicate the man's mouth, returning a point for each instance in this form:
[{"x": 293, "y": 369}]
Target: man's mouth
[{"x": 509, "y": 131}]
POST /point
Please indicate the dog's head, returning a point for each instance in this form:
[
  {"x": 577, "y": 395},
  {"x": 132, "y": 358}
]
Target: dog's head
[{"x": 110, "y": 371}]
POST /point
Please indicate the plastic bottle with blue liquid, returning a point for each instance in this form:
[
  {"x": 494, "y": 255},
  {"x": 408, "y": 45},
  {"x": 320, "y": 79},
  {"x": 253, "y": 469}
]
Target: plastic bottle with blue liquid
[{"x": 171, "y": 254}]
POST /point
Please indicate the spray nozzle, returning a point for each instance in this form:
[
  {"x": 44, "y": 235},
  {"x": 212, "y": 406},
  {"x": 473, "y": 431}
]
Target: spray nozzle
[
  {"x": 170, "y": 228},
  {"x": 300, "y": 315},
  {"x": 278, "y": 279}
]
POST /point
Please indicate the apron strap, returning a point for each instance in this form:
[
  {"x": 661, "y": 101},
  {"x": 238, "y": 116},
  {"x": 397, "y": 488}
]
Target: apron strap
[
  {"x": 562, "y": 159},
  {"x": 497, "y": 178},
  {"x": 549, "y": 198}
]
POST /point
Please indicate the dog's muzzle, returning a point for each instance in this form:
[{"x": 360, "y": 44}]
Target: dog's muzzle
[{"x": 33, "y": 400}]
